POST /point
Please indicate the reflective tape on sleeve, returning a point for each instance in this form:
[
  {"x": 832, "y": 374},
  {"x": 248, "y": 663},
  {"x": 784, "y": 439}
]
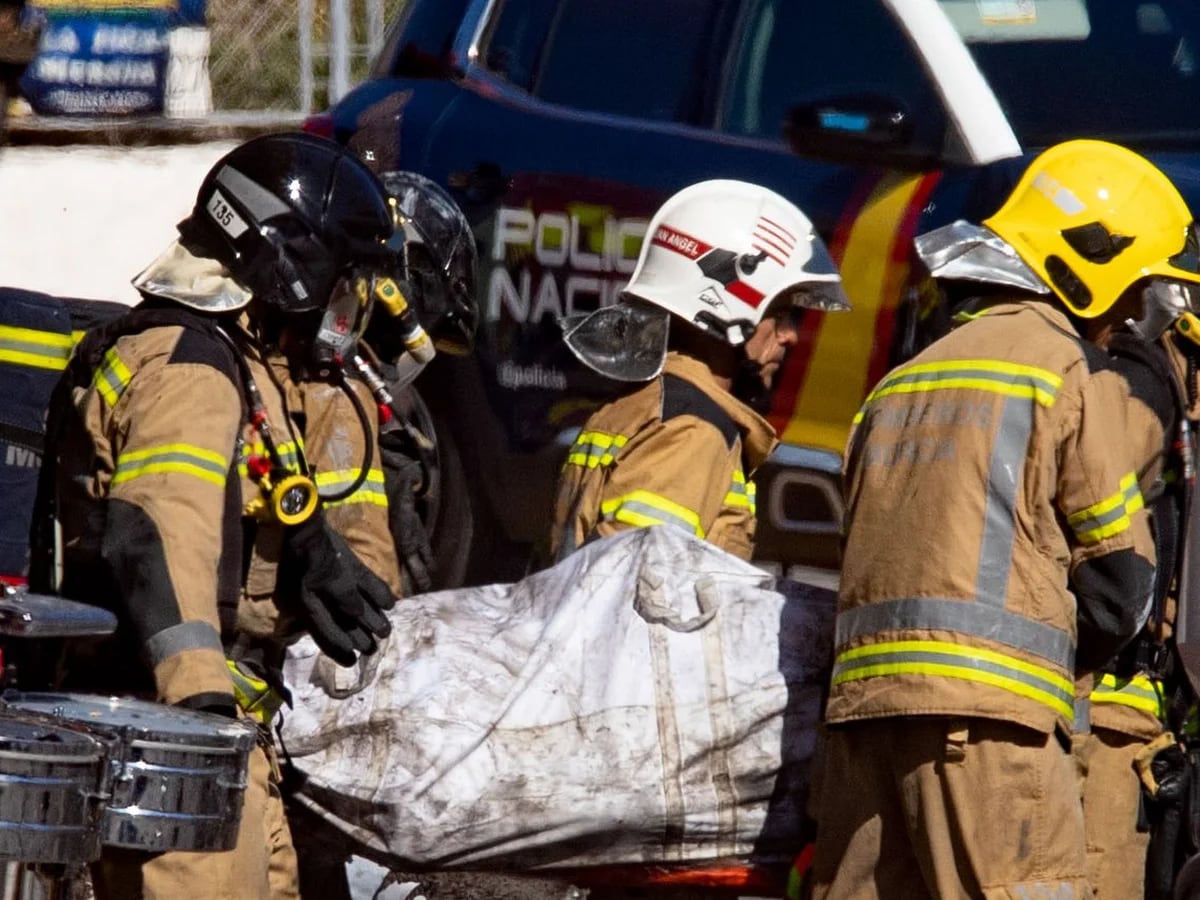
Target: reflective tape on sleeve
[
  {"x": 645, "y": 508},
  {"x": 112, "y": 377},
  {"x": 1138, "y": 692},
  {"x": 1110, "y": 516},
  {"x": 195, "y": 635},
  {"x": 182, "y": 459},
  {"x": 595, "y": 448},
  {"x": 741, "y": 493}
]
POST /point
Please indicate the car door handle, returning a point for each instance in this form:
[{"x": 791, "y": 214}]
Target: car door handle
[{"x": 482, "y": 183}]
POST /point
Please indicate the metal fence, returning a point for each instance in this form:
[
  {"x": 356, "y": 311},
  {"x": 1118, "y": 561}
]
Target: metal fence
[{"x": 296, "y": 55}]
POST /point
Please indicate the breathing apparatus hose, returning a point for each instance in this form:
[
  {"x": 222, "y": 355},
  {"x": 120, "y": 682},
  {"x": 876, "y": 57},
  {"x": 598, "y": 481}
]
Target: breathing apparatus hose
[
  {"x": 260, "y": 422},
  {"x": 368, "y": 441}
]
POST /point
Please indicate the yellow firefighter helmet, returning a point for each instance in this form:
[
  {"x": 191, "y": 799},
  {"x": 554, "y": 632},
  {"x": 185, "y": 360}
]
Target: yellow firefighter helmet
[{"x": 1092, "y": 218}]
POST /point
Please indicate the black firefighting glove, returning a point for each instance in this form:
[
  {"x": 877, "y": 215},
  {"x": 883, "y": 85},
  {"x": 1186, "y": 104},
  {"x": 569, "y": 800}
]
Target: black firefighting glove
[
  {"x": 341, "y": 601},
  {"x": 403, "y": 475}
]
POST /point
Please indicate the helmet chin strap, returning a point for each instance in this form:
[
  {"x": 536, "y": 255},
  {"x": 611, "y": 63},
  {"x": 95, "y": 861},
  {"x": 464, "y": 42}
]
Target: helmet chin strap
[{"x": 748, "y": 385}]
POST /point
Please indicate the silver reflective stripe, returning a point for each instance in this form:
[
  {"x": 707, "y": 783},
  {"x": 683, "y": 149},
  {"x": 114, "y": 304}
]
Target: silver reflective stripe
[
  {"x": 257, "y": 200},
  {"x": 113, "y": 380},
  {"x": 567, "y": 547},
  {"x": 36, "y": 349},
  {"x": 1000, "y": 516},
  {"x": 949, "y": 661},
  {"x": 1083, "y": 715},
  {"x": 181, "y": 637},
  {"x": 964, "y": 617}
]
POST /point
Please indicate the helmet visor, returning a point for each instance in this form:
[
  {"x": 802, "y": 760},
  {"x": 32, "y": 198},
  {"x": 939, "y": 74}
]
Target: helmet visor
[
  {"x": 824, "y": 290},
  {"x": 626, "y": 342},
  {"x": 1188, "y": 259},
  {"x": 827, "y": 296},
  {"x": 970, "y": 252}
]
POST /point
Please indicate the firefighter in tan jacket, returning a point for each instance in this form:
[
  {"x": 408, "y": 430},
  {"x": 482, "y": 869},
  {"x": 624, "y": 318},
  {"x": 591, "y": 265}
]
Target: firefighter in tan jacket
[
  {"x": 1125, "y": 723},
  {"x": 995, "y": 544},
  {"x": 178, "y": 446},
  {"x": 724, "y": 270}
]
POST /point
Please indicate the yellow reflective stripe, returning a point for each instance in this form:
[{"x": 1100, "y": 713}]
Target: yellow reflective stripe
[
  {"x": 992, "y": 376},
  {"x": 595, "y": 448},
  {"x": 1110, "y": 516},
  {"x": 644, "y": 508},
  {"x": 112, "y": 377},
  {"x": 370, "y": 491},
  {"x": 741, "y": 493},
  {"x": 964, "y": 315},
  {"x": 289, "y": 455},
  {"x": 1138, "y": 692},
  {"x": 35, "y": 349},
  {"x": 184, "y": 459},
  {"x": 946, "y": 660}
]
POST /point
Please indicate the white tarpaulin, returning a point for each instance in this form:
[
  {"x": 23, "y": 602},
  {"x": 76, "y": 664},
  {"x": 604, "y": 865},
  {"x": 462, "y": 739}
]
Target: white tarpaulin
[{"x": 649, "y": 699}]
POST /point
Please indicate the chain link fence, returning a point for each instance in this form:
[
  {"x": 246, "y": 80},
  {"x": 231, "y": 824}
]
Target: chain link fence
[{"x": 255, "y": 56}]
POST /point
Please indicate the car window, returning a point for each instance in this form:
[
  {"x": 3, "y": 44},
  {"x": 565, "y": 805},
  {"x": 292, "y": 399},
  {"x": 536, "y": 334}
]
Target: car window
[
  {"x": 1123, "y": 70},
  {"x": 514, "y": 43},
  {"x": 624, "y": 57},
  {"x": 789, "y": 53}
]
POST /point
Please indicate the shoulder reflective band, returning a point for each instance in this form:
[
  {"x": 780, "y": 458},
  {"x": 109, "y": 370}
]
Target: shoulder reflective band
[
  {"x": 992, "y": 376},
  {"x": 1138, "y": 692},
  {"x": 595, "y": 448},
  {"x": 112, "y": 377},
  {"x": 1110, "y": 516},
  {"x": 36, "y": 349},
  {"x": 644, "y": 508},
  {"x": 371, "y": 491},
  {"x": 183, "y": 459},
  {"x": 942, "y": 659}
]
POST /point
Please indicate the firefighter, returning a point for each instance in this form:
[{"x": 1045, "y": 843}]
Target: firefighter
[
  {"x": 177, "y": 485},
  {"x": 1137, "y": 698},
  {"x": 995, "y": 543},
  {"x": 724, "y": 274}
]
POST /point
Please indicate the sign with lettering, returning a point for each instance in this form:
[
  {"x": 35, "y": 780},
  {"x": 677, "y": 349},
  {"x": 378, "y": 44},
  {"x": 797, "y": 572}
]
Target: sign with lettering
[{"x": 104, "y": 57}]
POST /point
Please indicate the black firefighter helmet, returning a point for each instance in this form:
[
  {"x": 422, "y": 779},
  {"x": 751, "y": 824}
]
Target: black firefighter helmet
[
  {"x": 435, "y": 256},
  {"x": 289, "y": 215}
]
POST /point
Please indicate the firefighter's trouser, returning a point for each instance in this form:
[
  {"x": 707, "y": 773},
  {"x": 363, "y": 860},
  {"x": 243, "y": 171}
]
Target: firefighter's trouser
[
  {"x": 261, "y": 867},
  {"x": 1116, "y": 850},
  {"x": 918, "y": 807}
]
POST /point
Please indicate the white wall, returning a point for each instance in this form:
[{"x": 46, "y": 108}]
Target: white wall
[{"x": 82, "y": 221}]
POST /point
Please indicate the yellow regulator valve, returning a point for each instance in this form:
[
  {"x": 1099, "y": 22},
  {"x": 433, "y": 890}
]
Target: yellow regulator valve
[
  {"x": 294, "y": 499},
  {"x": 416, "y": 339},
  {"x": 1188, "y": 326},
  {"x": 290, "y": 500}
]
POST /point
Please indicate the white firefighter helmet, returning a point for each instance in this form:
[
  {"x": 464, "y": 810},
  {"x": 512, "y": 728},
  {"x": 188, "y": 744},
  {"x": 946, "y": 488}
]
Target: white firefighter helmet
[{"x": 721, "y": 255}]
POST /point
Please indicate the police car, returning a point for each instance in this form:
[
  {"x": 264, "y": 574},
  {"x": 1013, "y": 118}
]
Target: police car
[{"x": 560, "y": 125}]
